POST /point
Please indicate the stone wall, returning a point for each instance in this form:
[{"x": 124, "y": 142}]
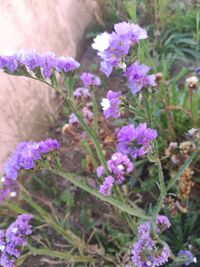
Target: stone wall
[{"x": 26, "y": 106}]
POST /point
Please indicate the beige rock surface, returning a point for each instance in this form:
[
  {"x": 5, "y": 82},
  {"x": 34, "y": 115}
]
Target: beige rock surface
[{"x": 45, "y": 25}]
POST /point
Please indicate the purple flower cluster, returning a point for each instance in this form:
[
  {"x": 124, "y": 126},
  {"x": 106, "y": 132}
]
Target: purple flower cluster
[
  {"x": 135, "y": 142},
  {"x": 138, "y": 78},
  {"x": 82, "y": 92},
  {"x": 31, "y": 60},
  {"x": 90, "y": 79},
  {"x": 162, "y": 223},
  {"x": 111, "y": 104},
  {"x": 145, "y": 251},
  {"x": 119, "y": 165},
  {"x": 26, "y": 154},
  {"x": 9, "y": 188},
  {"x": 114, "y": 47},
  {"x": 106, "y": 187},
  {"x": 13, "y": 240},
  {"x": 187, "y": 256}
]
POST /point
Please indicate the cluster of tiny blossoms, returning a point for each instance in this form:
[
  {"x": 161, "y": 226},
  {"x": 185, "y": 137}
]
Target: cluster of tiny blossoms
[
  {"x": 83, "y": 95},
  {"x": 111, "y": 104},
  {"x": 135, "y": 141},
  {"x": 187, "y": 257},
  {"x": 13, "y": 239},
  {"x": 119, "y": 165},
  {"x": 147, "y": 251},
  {"x": 26, "y": 154},
  {"x": 131, "y": 141},
  {"x": 138, "y": 78},
  {"x": 24, "y": 157},
  {"x": 113, "y": 48},
  {"x": 31, "y": 60}
]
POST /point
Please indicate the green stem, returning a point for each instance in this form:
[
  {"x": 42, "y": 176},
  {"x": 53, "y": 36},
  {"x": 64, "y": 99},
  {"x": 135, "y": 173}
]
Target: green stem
[
  {"x": 162, "y": 188},
  {"x": 95, "y": 112},
  {"x": 91, "y": 135},
  {"x": 127, "y": 217},
  {"x": 135, "y": 112},
  {"x": 89, "y": 152},
  {"x": 148, "y": 108}
]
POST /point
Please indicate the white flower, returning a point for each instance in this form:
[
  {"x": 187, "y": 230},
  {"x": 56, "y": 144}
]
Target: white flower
[
  {"x": 192, "y": 81},
  {"x": 195, "y": 260},
  {"x": 120, "y": 167},
  {"x": 3, "y": 179},
  {"x": 114, "y": 157},
  {"x": 14, "y": 230},
  {"x": 101, "y": 42},
  {"x": 2, "y": 247},
  {"x": 105, "y": 103},
  {"x": 192, "y": 131},
  {"x": 122, "y": 66},
  {"x": 13, "y": 194}
]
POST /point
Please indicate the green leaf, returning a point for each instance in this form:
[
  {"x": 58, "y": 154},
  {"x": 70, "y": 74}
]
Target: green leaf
[
  {"x": 117, "y": 204},
  {"x": 62, "y": 255}
]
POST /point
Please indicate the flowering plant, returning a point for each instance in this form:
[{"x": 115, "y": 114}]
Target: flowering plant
[{"x": 114, "y": 166}]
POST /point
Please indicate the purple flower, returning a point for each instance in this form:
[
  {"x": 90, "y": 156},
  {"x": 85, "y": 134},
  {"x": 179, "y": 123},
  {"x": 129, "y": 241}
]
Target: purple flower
[
  {"x": 140, "y": 248},
  {"x": 87, "y": 114},
  {"x": 138, "y": 78},
  {"x": 119, "y": 165},
  {"x": 11, "y": 63},
  {"x": 162, "y": 256},
  {"x": 135, "y": 142},
  {"x": 90, "y": 79},
  {"x": 9, "y": 188},
  {"x": 114, "y": 47},
  {"x": 48, "y": 64},
  {"x": 72, "y": 119},
  {"x": 31, "y": 59},
  {"x": 47, "y": 146},
  {"x": 162, "y": 223},
  {"x": 132, "y": 31},
  {"x": 82, "y": 92},
  {"x": 187, "y": 256},
  {"x": 197, "y": 71},
  {"x": 107, "y": 185},
  {"x": 115, "y": 54},
  {"x": 13, "y": 240},
  {"x": 111, "y": 104},
  {"x": 2, "y": 62},
  {"x": 100, "y": 171},
  {"x": 106, "y": 68},
  {"x": 146, "y": 252},
  {"x": 26, "y": 154},
  {"x": 66, "y": 64},
  {"x": 144, "y": 230}
]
